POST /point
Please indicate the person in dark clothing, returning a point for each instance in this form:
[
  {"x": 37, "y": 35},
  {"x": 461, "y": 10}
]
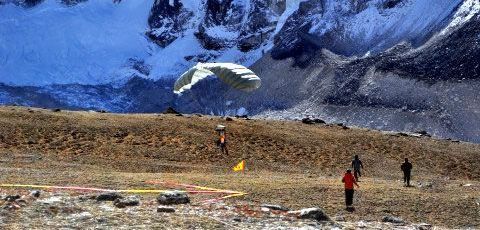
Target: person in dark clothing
[
  {"x": 357, "y": 166},
  {"x": 407, "y": 170},
  {"x": 349, "y": 180}
]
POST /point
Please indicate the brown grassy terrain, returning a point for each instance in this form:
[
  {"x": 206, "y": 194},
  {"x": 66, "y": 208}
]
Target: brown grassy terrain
[{"x": 288, "y": 163}]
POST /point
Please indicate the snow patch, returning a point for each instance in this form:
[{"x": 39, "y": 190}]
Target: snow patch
[
  {"x": 85, "y": 43},
  {"x": 467, "y": 10},
  {"x": 291, "y": 7}
]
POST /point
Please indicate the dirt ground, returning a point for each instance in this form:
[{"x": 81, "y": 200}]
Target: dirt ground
[{"x": 288, "y": 163}]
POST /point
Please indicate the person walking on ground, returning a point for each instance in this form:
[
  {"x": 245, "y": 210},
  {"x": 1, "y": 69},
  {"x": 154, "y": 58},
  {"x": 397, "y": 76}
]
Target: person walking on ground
[
  {"x": 349, "y": 180},
  {"x": 407, "y": 170},
  {"x": 357, "y": 166}
]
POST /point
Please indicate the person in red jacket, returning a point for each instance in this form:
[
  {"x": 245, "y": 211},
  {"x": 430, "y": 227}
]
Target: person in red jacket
[{"x": 349, "y": 180}]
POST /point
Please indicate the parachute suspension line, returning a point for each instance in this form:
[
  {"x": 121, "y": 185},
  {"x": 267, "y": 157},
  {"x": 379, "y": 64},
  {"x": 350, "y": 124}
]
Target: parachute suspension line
[
  {"x": 201, "y": 106},
  {"x": 225, "y": 100}
]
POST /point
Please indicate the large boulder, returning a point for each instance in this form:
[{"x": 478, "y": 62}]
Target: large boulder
[
  {"x": 393, "y": 219},
  {"x": 165, "y": 209},
  {"x": 109, "y": 196},
  {"x": 127, "y": 201},
  {"x": 274, "y": 207},
  {"x": 173, "y": 197},
  {"x": 312, "y": 213},
  {"x": 35, "y": 193}
]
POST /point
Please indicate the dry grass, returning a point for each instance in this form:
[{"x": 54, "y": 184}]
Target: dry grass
[{"x": 288, "y": 163}]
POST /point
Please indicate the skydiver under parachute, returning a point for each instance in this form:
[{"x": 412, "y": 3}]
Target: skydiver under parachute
[{"x": 235, "y": 76}]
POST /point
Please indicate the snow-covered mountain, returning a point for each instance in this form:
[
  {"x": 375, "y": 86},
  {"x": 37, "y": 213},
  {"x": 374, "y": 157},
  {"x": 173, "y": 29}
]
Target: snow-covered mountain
[{"x": 389, "y": 64}]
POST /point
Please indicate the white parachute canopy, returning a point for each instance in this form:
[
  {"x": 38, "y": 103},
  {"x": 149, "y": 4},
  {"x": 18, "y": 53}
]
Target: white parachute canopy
[{"x": 236, "y": 76}]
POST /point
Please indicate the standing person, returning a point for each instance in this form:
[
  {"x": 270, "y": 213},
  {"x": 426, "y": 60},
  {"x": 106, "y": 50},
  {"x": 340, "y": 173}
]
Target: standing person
[
  {"x": 357, "y": 165},
  {"x": 407, "y": 170},
  {"x": 349, "y": 180},
  {"x": 223, "y": 142}
]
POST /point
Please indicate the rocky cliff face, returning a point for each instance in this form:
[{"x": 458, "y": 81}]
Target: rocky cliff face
[
  {"x": 389, "y": 64},
  {"x": 410, "y": 88}
]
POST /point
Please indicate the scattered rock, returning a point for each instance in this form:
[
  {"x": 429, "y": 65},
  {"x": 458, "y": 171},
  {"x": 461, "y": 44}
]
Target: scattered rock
[
  {"x": 82, "y": 216},
  {"x": 87, "y": 197},
  {"x": 127, "y": 201},
  {"x": 228, "y": 119},
  {"x": 11, "y": 198},
  {"x": 263, "y": 209},
  {"x": 102, "y": 220},
  {"x": 51, "y": 200},
  {"x": 274, "y": 207},
  {"x": 311, "y": 121},
  {"x": 467, "y": 185},
  {"x": 425, "y": 184},
  {"x": 12, "y": 206},
  {"x": 173, "y": 197},
  {"x": 423, "y": 133},
  {"x": 339, "y": 218},
  {"x": 35, "y": 193},
  {"x": 31, "y": 141},
  {"x": 165, "y": 209},
  {"x": 361, "y": 224},
  {"x": 109, "y": 196},
  {"x": 393, "y": 219},
  {"x": 424, "y": 226},
  {"x": 312, "y": 213},
  {"x": 171, "y": 110},
  {"x": 21, "y": 202},
  {"x": 106, "y": 208}
]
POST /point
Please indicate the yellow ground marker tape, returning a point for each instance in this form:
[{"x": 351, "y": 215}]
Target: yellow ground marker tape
[
  {"x": 84, "y": 188},
  {"x": 232, "y": 193}
]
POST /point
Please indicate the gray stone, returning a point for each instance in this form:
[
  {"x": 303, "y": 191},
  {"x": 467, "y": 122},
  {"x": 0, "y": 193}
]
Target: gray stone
[
  {"x": 109, "y": 196},
  {"x": 21, "y": 202},
  {"x": 313, "y": 213},
  {"x": 393, "y": 219},
  {"x": 173, "y": 197},
  {"x": 339, "y": 218},
  {"x": 274, "y": 207},
  {"x": 11, "y": 198},
  {"x": 426, "y": 184},
  {"x": 87, "y": 197},
  {"x": 35, "y": 193},
  {"x": 127, "y": 201},
  {"x": 165, "y": 209},
  {"x": 424, "y": 226}
]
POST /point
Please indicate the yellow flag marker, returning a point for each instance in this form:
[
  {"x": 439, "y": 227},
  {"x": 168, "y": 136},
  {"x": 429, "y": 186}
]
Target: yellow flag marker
[{"x": 240, "y": 166}]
